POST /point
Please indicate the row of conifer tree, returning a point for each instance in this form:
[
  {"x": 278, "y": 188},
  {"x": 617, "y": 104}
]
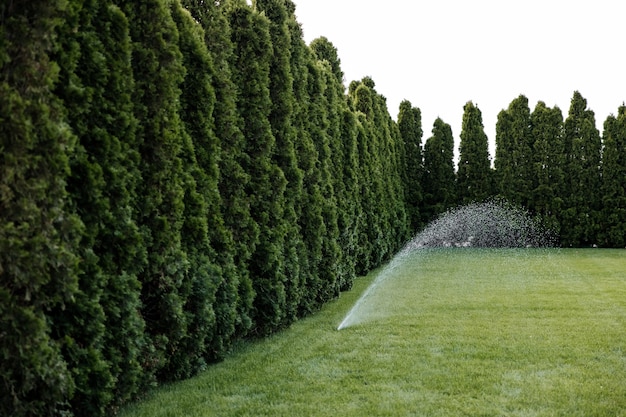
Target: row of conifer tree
[{"x": 177, "y": 175}]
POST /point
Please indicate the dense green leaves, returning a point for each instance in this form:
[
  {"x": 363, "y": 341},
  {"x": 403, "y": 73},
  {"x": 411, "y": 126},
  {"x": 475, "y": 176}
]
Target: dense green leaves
[
  {"x": 38, "y": 231},
  {"x": 474, "y": 176},
  {"x": 514, "y": 153},
  {"x": 439, "y": 177},
  {"x": 411, "y": 160},
  {"x": 581, "y": 192}
]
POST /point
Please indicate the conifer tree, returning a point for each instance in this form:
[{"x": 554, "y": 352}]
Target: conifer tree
[
  {"x": 158, "y": 72},
  {"x": 439, "y": 175},
  {"x": 547, "y": 197},
  {"x": 514, "y": 153},
  {"x": 582, "y": 148},
  {"x": 613, "y": 224},
  {"x": 102, "y": 327},
  {"x": 38, "y": 232},
  {"x": 251, "y": 73},
  {"x": 324, "y": 252},
  {"x": 200, "y": 152},
  {"x": 282, "y": 121},
  {"x": 306, "y": 85},
  {"x": 474, "y": 176},
  {"x": 234, "y": 295},
  {"x": 327, "y": 54},
  {"x": 376, "y": 215},
  {"x": 350, "y": 220},
  {"x": 410, "y": 125}
]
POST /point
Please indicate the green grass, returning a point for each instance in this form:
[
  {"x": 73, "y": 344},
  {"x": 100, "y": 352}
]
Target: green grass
[{"x": 448, "y": 333}]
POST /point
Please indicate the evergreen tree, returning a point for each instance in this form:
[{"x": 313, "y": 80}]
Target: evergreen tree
[
  {"x": 376, "y": 217},
  {"x": 200, "y": 152},
  {"x": 251, "y": 73},
  {"x": 339, "y": 206},
  {"x": 324, "y": 259},
  {"x": 613, "y": 224},
  {"x": 474, "y": 176},
  {"x": 547, "y": 131},
  {"x": 514, "y": 153},
  {"x": 383, "y": 199},
  {"x": 410, "y": 125},
  {"x": 158, "y": 72},
  {"x": 309, "y": 210},
  {"x": 582, "y": 148},
  {"x": 38, "y": 232},
  {"x": 234, "y": 295},
  {"x": 102, "y": 329},
  {"x": 350, "y": 220},
  {"x": 439, "y": 176},
  {"x": 282, "y": 121}
]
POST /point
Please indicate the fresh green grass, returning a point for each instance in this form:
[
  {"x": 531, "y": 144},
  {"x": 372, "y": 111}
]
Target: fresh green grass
[{"x": 447, "y": 333}]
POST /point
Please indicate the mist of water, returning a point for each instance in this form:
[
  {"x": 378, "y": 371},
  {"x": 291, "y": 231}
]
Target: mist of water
[{"x": 492, "y": 224}]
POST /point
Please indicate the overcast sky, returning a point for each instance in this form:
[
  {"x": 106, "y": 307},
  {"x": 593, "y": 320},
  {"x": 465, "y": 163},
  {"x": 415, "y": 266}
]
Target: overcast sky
[{"x": 439, "y": 54}]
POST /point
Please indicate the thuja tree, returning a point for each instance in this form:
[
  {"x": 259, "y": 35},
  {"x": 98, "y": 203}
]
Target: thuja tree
[
  {"x": 158, "y": 72},
  {"x": 325, "y": 52},
  {"x": 371, "y": 240},
  {"x": 546, "y": 196},
  {"x": 101, "y": 327},
  {"x": 326, "y": 264},
  {"x": 439, "y": 182},
  {"x": 350, "y": 221},
  {"x": 474, "y": 176},
  {"x": 582, "y": 149},
  {"x": 38, "y": 234},
  {"x": 412, "y": 163},
  {"x": 284, "y": 130},
  {"x": 383, "y": 196},
  {"x": 389, "y": 148},
  {"x": 613, "y": 188},
  {"x": 309, "y": 210},
  {"x": 234, "y": 295},
  {"x": 203, "y": 224},
  {"x": 514, "y": 153},
  {"x": 266, "y": 188}
]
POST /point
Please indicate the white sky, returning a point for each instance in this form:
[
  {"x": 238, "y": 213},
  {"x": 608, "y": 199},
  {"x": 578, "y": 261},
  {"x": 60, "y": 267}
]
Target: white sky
[{"x": 439, "y": 54}]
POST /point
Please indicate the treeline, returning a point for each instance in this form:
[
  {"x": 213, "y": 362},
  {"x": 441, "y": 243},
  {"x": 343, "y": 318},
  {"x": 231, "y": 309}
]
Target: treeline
[
  {"x": 178, "y": 175},
  {"x": 560, "y": 170},
  {"x": 175, "y": 175}
]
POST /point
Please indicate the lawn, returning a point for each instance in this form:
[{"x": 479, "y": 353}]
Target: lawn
[{"x": 447, "y": 332}]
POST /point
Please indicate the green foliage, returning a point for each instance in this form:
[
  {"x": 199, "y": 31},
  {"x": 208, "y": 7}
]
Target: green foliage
[
  {"x": 514, "y": 153},
  {"x": 102, "y": 329},
  {"x": 412, "y": 162},
  {"x": 159, "y": 207},
  {"x": 285, "y": 133},
  {"x": 581, "y": 192},
  {"x": 474, "y": 175},
  {"x": 547, "y": 131},
  {"x": 613, "y": 189},
  {"x": 39, "y": 234},
  {"x": 235, "y": 294},
  {"x": 266, "y": 189},
  {"x": 200, "y": 152},
  {"x": 439, "y": 176}
]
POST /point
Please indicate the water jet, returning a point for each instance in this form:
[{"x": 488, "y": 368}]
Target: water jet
[{"x": 491, "y": 224}]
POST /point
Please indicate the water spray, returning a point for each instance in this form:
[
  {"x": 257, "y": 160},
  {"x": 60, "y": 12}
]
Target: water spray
[{"x": 492, "y": 224}]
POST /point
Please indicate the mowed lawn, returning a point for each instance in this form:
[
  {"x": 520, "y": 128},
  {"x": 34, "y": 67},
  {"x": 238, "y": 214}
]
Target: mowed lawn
[{"x": 449, "y": 332}]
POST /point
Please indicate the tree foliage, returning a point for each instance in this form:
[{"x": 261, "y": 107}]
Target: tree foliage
[
  {"x": 474, "y": 175},
  {"x": 439, "y": 182}
]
